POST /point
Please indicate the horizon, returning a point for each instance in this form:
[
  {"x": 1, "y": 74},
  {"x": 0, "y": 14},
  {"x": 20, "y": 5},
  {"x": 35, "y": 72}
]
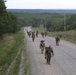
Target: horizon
[{"x": 43, "y": 9}]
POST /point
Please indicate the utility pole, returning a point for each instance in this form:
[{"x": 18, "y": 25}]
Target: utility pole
[{"x": 64, "y": 22}]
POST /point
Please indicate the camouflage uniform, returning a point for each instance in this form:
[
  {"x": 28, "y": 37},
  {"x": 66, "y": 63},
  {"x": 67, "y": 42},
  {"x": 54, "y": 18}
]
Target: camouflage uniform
[
  {"x": 42, "y": 33},
  {"x": 42, "y": 46},
  {"x": 48, "y": 52},
  {"x": 37, "y": 34},
  {"x": 57, "y": 41},
  {"x": 33, "y": 36}
]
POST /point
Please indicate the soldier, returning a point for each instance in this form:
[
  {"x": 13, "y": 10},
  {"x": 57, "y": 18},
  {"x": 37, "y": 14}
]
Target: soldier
[
  {"x": 45, "y": 34},
  {"x": 33, "y": 36},
  {"x": 57, "y": 39},
  {"x": 42, "y": 33},
  {"x": 48, "y": 52},
  {"x": 42, "y": 46},
  {"x": 37, "y": 34},
  {"x": 29, "y": 33}
]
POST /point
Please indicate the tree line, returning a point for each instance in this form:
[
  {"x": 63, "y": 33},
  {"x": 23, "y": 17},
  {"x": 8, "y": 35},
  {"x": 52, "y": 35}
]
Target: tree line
[
  {"x": 52, "y": 21},
  {"x": 8, "y": 21}
]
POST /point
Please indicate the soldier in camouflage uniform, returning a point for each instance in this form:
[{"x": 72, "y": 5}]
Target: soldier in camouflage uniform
[
  {"x": 48, "y": 54},
  {"x": 42, "y": 46},
  {"x": 33, "y": 36},
  {"x": 57, "y": 39}
]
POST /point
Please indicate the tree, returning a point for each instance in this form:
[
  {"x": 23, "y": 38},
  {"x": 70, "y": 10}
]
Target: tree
[
  {"x": 12, "y": 23},
  {"x": 71, "y": 22},
  {"x": 8, "y": 21},
  {"x": 2, "y": 15},
  {"x": 2, "y": 7}
]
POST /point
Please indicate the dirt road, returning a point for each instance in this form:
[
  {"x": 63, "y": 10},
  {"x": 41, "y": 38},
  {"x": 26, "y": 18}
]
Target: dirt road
[{"x": 63, "y": 62}]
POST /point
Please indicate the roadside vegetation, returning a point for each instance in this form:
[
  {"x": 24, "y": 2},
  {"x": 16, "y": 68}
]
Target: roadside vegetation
[
  {"x": 9, "y": 47},
  {"x": 66, "y": 35},
  {"x": 8, "y": 21},
  {"x": 11, "y": 43},
  {"x": 26, "y": 65}
]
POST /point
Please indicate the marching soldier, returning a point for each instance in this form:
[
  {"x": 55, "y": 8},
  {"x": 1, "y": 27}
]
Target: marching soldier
[
  {"x": 45, "y": 34},
  {"x": 42, "y": 46},
  {"x": 42, "y": 33},
  {"x": 57, "y": 39},
  {"x": 37, "y": 34},
  {"x": 48, "y": 54},
  {"x": 33, "y": 36}
]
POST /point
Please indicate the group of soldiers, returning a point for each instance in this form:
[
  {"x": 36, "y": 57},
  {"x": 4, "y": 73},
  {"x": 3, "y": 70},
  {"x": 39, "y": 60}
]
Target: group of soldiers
[
  {"x": 48, "y": 51},
  {"x": 44, "y": 34},
  {"x": 32, "y": 34}
]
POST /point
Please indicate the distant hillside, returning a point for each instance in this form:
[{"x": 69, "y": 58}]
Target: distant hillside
[{"x": 68, "y": 11}]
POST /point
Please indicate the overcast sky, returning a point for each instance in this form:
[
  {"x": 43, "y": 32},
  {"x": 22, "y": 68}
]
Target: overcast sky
[{"x": 41, "y": 4}]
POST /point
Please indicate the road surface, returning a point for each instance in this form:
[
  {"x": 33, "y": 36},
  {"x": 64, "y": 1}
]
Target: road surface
[{"x": 63, "y": 62}]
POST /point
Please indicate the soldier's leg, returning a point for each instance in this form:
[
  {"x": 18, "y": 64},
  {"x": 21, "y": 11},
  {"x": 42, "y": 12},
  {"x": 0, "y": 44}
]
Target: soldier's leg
[
  {"x": 41, "y": 50},
  {"x": 57, "y": 43},
  {"x": 49, "y": 60},
  {"x": 33, "y": 39},
  {"x": 46, "y": 59}
]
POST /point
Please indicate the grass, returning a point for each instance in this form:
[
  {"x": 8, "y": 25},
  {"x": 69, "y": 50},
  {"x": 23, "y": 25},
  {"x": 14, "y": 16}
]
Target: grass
[
  {"x": 39, "y": 29},
  {"x": 15, "y": 68},
  {"x": 66, "y": 35},
  {"x": 26, "y": 62},
  {"x": 9, "y": 46},
  {"x": 26, "y": 67}
]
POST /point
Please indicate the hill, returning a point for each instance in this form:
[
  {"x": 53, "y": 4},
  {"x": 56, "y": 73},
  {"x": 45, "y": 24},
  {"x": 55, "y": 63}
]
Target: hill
[{"x": 67, "y": 11}]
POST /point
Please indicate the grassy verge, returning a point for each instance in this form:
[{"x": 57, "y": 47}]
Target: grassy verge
[
  {"x": 26, "y": 62},
  {"x": 9, "y": 46},
  {"x": 16, "y": 67},
  {"x": 66, "y": 35}
]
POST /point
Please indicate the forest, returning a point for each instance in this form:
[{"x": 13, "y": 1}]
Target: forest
[
  {"x": 50, "y": 21},
  {"x": 8, "y": 21}
]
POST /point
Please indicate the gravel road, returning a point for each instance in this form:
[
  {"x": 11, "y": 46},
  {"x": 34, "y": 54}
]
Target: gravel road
[{"x": 63, "y": 62}]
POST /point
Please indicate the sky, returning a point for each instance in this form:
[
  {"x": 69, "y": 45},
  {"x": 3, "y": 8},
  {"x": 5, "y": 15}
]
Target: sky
[{"x": 41, "y": 4}]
